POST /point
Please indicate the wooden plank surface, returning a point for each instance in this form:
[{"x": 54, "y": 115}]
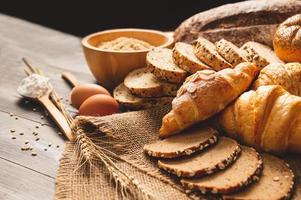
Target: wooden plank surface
[{"x": 24, "y": 176}]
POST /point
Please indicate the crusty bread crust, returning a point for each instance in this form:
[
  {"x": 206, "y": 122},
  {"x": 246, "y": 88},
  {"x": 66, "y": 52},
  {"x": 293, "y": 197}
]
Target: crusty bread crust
[
  {"x": 184, "y": 57},
  {"x": 244, "y": 171},
  {"x": 160, "y": 63},
  {"x": 143, "y": 83},
  {"x": 129, "y": 101},
  {"x": 259, "y": 54},
  {"x": 191, "y": 141},
  {"x": 230, "y": 52},
  {"x": 220, "y": 156},
  {"x": 206, "y": 52}
]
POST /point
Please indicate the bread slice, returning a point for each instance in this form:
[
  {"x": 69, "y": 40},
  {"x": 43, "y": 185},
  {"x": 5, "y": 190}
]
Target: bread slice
[
  {"x": 241, "y": 173},
  {"x": 160, "y": 62},
  {"x": 190, "y": 141},
  {"x": 259, "y": 54},
  {"x": 206, "y": 52},
  {"x": 184, "y": 57},
  {"x": 230, "y": 52},
  {"x": 276, "y": 182},
  {"x": 143, "y": 83},
  {"x": 207, "y": 162},
  {"x": 131, "y": 102}
]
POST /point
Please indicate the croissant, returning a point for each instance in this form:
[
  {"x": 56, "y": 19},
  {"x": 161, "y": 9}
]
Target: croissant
[
  {"x": 268, "y": 119},
  {"x": 205, "y": 93},
  {"x": 286, "y": 75}
]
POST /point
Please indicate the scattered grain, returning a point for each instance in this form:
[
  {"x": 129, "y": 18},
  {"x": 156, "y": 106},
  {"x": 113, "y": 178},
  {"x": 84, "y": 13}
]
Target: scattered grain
[
  {"x": 13, "y": 138},
  {"x": 57, "y": 146},
  {"x": 12, "y": 130},
  {"x": 34, "y": 154},
  {"x": 276, "y": 178},
  {"x": 37, "y": 139},
  {"x": 21, "y": 133},
  {"x": 49, "y": 144},
  {"x": 11, "y": 114},
  {"x": 45, "y": 149},
  {"x": 16, "y": 118},
  {"x": 37, "y": 126},
  {"x": 26, "y": 142},
  {"x": 42, "y": 117}
]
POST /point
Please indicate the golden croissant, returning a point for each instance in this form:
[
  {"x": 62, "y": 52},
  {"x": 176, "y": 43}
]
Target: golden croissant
[
  {"x": 268, "y": 119},
  {"x": 286, "y": 75},
  {"x": 205, "y": 93}
]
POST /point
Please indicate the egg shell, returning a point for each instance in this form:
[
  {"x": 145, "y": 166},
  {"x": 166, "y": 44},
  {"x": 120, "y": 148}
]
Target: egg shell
[
  {"x": 82, "y": 92},
  {"x": 99, "y": 105}
]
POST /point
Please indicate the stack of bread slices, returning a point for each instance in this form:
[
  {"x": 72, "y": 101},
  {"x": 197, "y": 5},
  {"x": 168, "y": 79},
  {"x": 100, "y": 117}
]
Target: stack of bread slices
[
  {"x": 208, "y": 163},
  {"x": 167, "y": 69}
]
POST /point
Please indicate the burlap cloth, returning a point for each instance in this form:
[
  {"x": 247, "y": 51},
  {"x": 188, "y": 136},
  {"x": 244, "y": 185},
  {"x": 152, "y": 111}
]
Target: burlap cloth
[{"x": 130, "y": 132}]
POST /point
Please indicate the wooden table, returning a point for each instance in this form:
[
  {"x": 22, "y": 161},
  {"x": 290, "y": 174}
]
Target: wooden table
[{"x": 23, "y": 176}]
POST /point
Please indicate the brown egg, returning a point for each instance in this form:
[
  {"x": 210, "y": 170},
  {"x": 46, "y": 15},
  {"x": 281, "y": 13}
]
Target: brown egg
[
  {"x": 99, "y": 105},
  {"x": 82, "y": 92}
]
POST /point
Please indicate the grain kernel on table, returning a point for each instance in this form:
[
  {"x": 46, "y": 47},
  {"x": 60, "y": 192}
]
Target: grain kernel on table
[{"x": 12, "y": 130}]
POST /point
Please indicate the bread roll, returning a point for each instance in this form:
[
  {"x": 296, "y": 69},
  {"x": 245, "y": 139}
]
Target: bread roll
[{"x": 287, "y": 40}]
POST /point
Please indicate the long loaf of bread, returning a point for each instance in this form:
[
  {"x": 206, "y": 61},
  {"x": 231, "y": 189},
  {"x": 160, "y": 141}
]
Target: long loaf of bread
[
  {"x": 205, "y": 93},
  {"x": 268, "y": 118}
]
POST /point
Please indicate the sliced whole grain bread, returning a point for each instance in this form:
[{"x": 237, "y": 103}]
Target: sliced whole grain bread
[
  {"x": 160, "y": 63},
  {"x": 184, "y": 57},
  {"x": 131, "y": 102},
  {"x": 276, "y": 182},
  {"x": 241, "y": 173},
  {"x": 259, "y": 54},
  {"x": 230, "y": 52},
  {"x": 206, "y": 52},
  {"x": 213, "y": 159},
  {"x": 143, "y": 83},
  {"x": 190, "y": 141}
]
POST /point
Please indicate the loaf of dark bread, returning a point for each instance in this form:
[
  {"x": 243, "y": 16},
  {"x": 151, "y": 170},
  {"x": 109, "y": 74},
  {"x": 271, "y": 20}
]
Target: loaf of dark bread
[{"x": 254, "y": 20}]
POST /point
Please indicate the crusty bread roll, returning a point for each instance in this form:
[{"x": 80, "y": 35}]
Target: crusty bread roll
[{"x": 287, "y": 39}]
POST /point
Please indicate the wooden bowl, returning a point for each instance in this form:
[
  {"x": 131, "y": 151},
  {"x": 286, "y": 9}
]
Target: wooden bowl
[{"x": 109, "y": 67}]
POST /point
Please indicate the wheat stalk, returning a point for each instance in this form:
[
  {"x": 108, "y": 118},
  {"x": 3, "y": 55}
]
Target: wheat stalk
[{"x": 89, "y": 152}]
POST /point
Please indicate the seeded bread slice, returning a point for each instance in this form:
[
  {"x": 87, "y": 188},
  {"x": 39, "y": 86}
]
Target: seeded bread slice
[
  {"x": 230, "y": 52},
  {"x": 184, "y": 57},
  {"x": 259, "y": 54},
  {"x": 190, "y": 141},
  {"x": 143, "y": 83},
  {"x": 160, "y": 63},
  {"x": 206, "y": 52},
  {"x": 131, "y": 102},
  {"x": 207, "y": 162},
  {"x": 241, "y": 173},
  {"x": 276, "y": 182}
]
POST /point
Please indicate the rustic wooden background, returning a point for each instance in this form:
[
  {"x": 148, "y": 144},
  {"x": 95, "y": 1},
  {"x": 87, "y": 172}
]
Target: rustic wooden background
[{"x": 23, "y": 176}]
